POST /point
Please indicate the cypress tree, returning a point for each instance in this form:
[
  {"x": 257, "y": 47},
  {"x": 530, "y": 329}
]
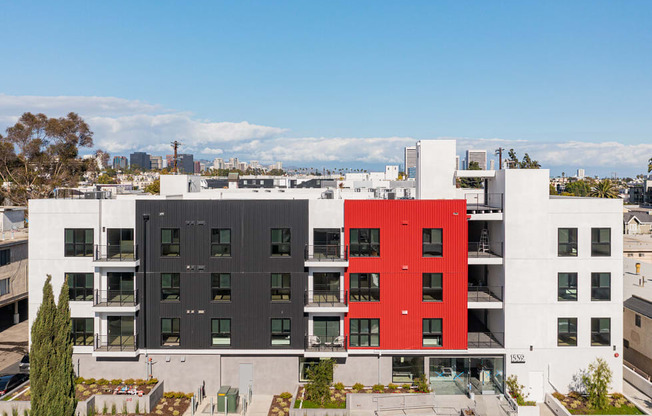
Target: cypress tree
[
  {"x": 64, "y": 385},
  {"x": 41, "y": 355}
]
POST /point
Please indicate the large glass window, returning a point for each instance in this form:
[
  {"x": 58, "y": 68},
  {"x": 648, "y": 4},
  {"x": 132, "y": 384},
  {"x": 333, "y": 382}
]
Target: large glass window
[
  {"x": 600, "y": 331},
  {"x": 80, "y": 286},
  {"x": 567, "y": 332},
  {"x": 5, "y": 257},
  {"x": 406, "y": 369},
  {"x": 364, "y": 332},
  {"x": 120, "y": 243},
  {"x": 453, "y": 375},
  {"x": 170, "y": 286},
  {"x": 637, "y": 320},
  {"x": 326, "y": 287},
  {"x": 220, "y": 332},
  {"x": 78, "y": 242},
  {"x": 567, "y": 286},
  {"x": 170, "y": 332},
  {"x": 221, "y": 242},
  {"x": 600, "y": 242},
  {"x": 365, "y": 287},
  {"x": 281, "y": 332},
  {"x": 281, "y": 286},
  {"x": 432, "y": 332},
  {"x": 433, "y": 289},
  {"x": 281, "y": 242},
  {"x": 5, "y": 288},
  {"x": 567, "y": 242},
  {"x": 221, "y": 286},
  {"x": 82, "y": 331},
  {"x": 170, "y": 242},
  {"x": 600, "y": 286},
  {"x": 120, "y": 287},
  {"x": 364, "y": 242},
  {"x": 432, "y": 242}
]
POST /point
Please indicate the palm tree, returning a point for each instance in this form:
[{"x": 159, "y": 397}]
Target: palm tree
[{"x": 604, "y": 189}]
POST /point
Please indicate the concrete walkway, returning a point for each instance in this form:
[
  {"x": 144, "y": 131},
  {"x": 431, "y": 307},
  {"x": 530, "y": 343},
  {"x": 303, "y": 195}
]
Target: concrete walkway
[
  {"x": 260, "y": 405},
  {"x": 638, "y": 396},
  {"x": 13, "y": 345}
]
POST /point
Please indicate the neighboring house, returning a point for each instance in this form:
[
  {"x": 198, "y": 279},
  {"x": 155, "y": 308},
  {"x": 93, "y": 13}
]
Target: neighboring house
[
  {"x": 250, "y": 287},
  {"x": 641, "y": 194},
  {"x": 638, "y": 247},
  {"x": 637, "y": 333},
  {"x": 637, "y": 222},
  {"x": 13, "y": 266}
]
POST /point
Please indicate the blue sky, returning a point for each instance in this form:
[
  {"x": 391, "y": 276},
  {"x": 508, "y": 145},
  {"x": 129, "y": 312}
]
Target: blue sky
[{"x": 276, "y": 80}]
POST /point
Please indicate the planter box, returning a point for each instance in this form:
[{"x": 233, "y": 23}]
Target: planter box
[
  {"x": 370, "y": 402},
  {"x": 560, "y": 410}
]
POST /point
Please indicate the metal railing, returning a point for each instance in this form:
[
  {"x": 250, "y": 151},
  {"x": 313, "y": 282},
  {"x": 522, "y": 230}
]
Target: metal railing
[
  {"x": 67, "y": 193},
  {"x": 327, "y": 252},
  {"x": 115, "y": 297},
  {"x": 116, "y": 342},
  {"x": 326, "y": 343},
  {"x": 486, "y": 339},
  {"x": 326, "y": 297},
  {"x": 115, "y": 252},
  {"x": 491, "y": 249},
  {"x": 484, "y": 202},
  {"x": 485, "y": 294}
]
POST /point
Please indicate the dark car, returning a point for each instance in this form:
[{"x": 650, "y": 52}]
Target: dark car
[
  {"x": 24, "y": 363},
  {"x": 8, "y": 382}
]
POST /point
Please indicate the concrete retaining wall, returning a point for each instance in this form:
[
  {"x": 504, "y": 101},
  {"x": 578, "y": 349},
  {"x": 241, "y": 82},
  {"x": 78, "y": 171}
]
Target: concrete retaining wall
[
  {"x": 637, "y": 381},
  {"x": 560, "y": 410},
  {"x": 20, "y": 406},
  {"x": 370, "y": 401},
  {"x": 145, "y": 403}
]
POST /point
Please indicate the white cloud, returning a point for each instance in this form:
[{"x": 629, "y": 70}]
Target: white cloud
[{"x": 62, "y": 105}]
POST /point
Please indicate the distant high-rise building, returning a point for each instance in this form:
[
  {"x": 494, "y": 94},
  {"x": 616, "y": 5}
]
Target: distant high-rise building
[
  {"x": 197, "y": 168},
  {"x": 254, "y": 164},
  {"x": 479, "y": 156},
  {"x": 186, "y": 163},
  {"x": 457, "y": 163},
  {"x": 410, "y": 160},
  {"x": 492, "y": 165},
  {"x": 139, "y": 160},
  {"x": 242, "y": 166},
  {"x": 156, "y": 162},
  {"x": 120, "y": 162},
  {"x": 218, "y": 163},
  {"x": 580, "y": 173}
]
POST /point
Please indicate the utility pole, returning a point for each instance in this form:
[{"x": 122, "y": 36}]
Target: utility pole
[
  {"x": 175, "y": 145},
  {"x": 499, "y": 152}
]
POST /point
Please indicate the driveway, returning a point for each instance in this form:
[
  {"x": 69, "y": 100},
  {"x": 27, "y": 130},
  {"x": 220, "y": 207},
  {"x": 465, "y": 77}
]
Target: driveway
[{"x": 13, "y": 345}]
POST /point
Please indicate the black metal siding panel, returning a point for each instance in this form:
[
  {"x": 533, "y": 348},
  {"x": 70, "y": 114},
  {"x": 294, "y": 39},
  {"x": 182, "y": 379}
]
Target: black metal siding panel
[{"x": 250, "y": 265}]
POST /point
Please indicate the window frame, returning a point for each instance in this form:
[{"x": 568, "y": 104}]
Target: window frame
[
  {"x": 89, "y": 338},
  {"x": 171, "y": 289},
  {"x": 427, "y": 323},
  {"x": 637, "y": 320},
  {"x": 282, "y": 290},
  {"x": 172, "y": 333},
  {"x": 361, "y": 248},
  {"x": 166, "y": 247},
  {"x": 568, "y": 334},
  {"x": 5, "y": 256},
  {"x": 597, "y": 244},
  {"x": 599, "y": 333},
  {"x": 284, "y": 335},
  {"x": 5, "y": 286},
  {"x": 570, "y": 244},
  {"x": 87, "y": 248},
  {"x": 429, "y": 233},
  {"x": 369, "y": 333},
  {"x": 217, "y": 245},
  {"x": 425, "y": 288},
  {"x": 358, "y": 294},
  {"x": 597, "y": 289},
  {"x": 73, "y": 289},
  {"x": 567, "y": 288},
  {"x": 277, "y": 247},
  {"x": 220, "y": 333},
  {"x": 216, "y": 289}
]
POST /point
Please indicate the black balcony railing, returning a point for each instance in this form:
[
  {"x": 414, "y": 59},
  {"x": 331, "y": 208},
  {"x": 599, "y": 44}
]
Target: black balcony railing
[
  {"x": 485, "y": 294},
  {"x": 115, "y": 297},
  {"x": 486, "y": 339},
  {"x": 484, "y": 202},
  {"x": 116, "y": 342},
  {"x": 327, "y": 252},
  {"x": 326, "y": 297},
  {"x": 318, "y": 343},
  {"x": 488, "y": 250},
  {"x": 67, "y": 193},
  {"x": 116, "y": 252}
]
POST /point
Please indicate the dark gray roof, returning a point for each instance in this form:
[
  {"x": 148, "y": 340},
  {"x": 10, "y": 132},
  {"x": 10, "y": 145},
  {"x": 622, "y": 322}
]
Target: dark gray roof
[
  {"x": 639, "y": 305},
  {"x": 642, "y": 216}
]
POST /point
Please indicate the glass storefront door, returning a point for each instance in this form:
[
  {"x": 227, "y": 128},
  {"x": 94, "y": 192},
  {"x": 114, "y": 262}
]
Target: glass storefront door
[{"x": 456, "y": 375}]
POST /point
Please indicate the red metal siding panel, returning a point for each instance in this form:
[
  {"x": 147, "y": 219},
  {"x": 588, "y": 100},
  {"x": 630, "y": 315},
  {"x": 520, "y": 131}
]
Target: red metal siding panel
[{"x": 401, "y": 223}]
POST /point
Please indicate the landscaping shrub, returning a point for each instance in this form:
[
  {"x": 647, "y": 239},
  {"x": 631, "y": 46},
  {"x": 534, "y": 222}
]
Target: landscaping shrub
[
  {"x": 116, "y": 381},
  {"x": 516, "y": 391},
  {"x": 558, "y": 396},
  {"x": 422, "y": 384},
  {"x": 339, "y": 386},
  {"x": 105, "y": 409},
  {"x": 597, "y": 380},
  {"x": 392, "y": 386},
  {"x": 137, "y": 407},
  {"x": 102, "y": 382},
  {"x": 90, "y": 381},
  {"x": 406, "y": 386},
  {"x": 113, "y": 409},
  {"x": 139, "y": 381},
  {"x": 152, "y": 381},
  {"x": 321, "y": 377},
  {"x": 129, "y": 381},
  {"x": 358, "y": 386},
  {"x": 285, "y": 395},
  {"x": 378, "y": 388},
  {"x": 79, "y": 380}
]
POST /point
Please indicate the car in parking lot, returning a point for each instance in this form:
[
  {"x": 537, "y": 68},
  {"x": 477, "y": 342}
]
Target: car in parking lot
[
  {"x": 24, "y": 363},
  {"x": 8, "y": 382}
]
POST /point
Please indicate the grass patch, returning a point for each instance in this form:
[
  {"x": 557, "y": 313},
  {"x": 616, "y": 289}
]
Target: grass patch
[
  {"x": 307, "y": 404},
  {"x": 611, "y": 410}
]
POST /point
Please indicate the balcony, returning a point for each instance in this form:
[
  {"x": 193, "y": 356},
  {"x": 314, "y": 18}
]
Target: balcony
[
  {"x": 116, "y": 300},
  {"x": 484, "y": 203},
  {"x": 116, "y": 255},
  {"x": 485, "y": 297},
  {"x": 326, "y": 346},
  {"x": 115, "y": 345},
  {"x": 326, "y": 301},
  {"x": 486, "y": 252},
  {"x": 486, "y": 339},
  {"x": 334, "y": 255}
]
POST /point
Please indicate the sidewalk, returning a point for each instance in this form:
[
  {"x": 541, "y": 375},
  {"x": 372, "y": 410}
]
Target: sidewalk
[
  {"x": 13, "y": 344},
  {"x": 638, "y": 396}
]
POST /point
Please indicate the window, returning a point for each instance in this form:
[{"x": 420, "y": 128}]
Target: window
[
  {"x": 637, "y": 320},
  {"x": 626, "y": 343},
  {"x": 600, "y": 331},
  {"x": 80, "y": 286},
  {"x": 600, "y": 286},
  {"x": 433, "y": 290},
  {"x": 170, "y": 286},
  {"x": 567, "y": 287},
  {"x": 281, "y": 332},
  {"x": 221, "y": 286},
  {"x": 567, "y": 242},
  {"x": 170, "y": 335},
  {"x": 4, "y": 287},
  {"x": 365, "y": 332},
  {"x": 280, "y": 286},
  {"x": 82, "y": 331},
  {"x": 220, "y": 332},
  {"x": 600, "y": 242},
  {"x": 5, "y": 257},
  {"x": 432, "y": 333},
  {"x": 170, "y": 242},
  {"x": 281, "y": 242},
  {"x": 432, "y": 242},
  {"x": 365, "y": 287},
  {"x": 78, "y": 242},
  {"x": 567, "y": 332},
  {"x": 221, "y": 242},
  {"x": 364, "y": 242}
]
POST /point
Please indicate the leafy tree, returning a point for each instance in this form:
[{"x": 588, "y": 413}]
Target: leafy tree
[
  {"x": 649, "y": 165},
  {"x": 106, "y": 179},
  {"x": 154, "y": 187},
  {"x": 40, "y": 154},
  {"x": 526, "y": 163},
  {"x": 596, "y": 380},
  {"x": 604, "y": 189},
  {"x": 553, "y": 190},
  {"x": 321, "y": 378},
  {"x": 64, "y": 377},
  {"x": 276, "y": 172},
  {"x": 578, "y": 188},
  {"x": 472, "y": 182}
]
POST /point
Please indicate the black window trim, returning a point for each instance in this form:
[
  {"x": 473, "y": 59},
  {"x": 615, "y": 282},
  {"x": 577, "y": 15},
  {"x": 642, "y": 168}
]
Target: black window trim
[
  {"x": 600, "y": 243},
  {"x": 356, "y": 254},
  {"x": 424, "y": 287},
  {"x": 73, "y": 333},
  {"x": 570, "y": 244},
  {"x": 559, "y": 287},
  {"x": 432, "y": 334},
  {"x": 271, "y": 333},
  {"x": 282, "y": 290},
  {"x": 230, "y": 243},
  {"x": 423, "y": 243},
  {"x": 597, "y": 288},
  {"x": 163, "y": 256},
  {"x": 568, "y": 333},
  {"x": 214, "y": 288},
  {"x": 88, "y": 248},
  {"x": 362, "y": 291},
  {"x": 70, "y": 276},
  {"x": 219, "y": 318},
  {"x": 272, "y": 244},
  {"x": 172, "y": 287},
  {"x": 172, "y": 333},
  {"x": 608, "y": 344},
  {"x": 359, "y": 334}
]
